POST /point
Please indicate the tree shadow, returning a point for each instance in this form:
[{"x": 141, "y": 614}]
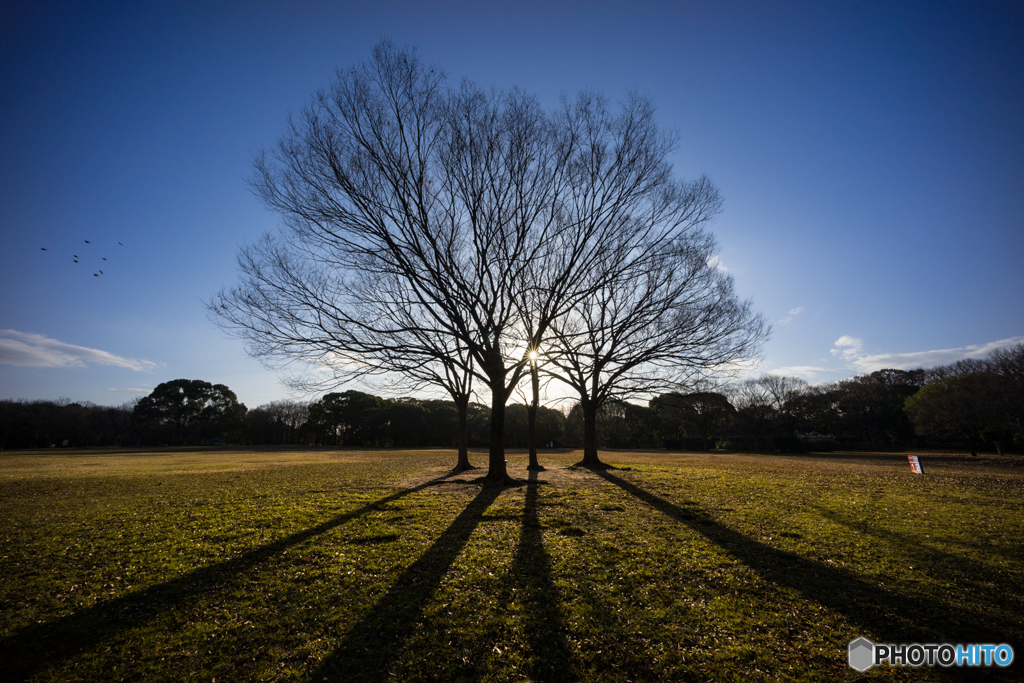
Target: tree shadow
[
  {"x": 373, "y": 642},
  {"x": 548, "y": 657},
  {"x": 39, "y": 647},
  {"x": 876, "y": 610},
  {"x": 944, "y": 565},
  {"x": 597, "y": 468}
]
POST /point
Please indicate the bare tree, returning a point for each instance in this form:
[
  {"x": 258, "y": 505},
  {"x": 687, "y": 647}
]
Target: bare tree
[
  {"x": 277, "y": 421},
  {"x": 767, "y": 404},
  {"x": 531, "y": 412},
  {"x": 387, "y": 173},
  {"x": 665, "y": 320},
  {"x": 756, "y": 409},
  {"x": 532, "y": 408},
  {"x": 1008, "y": 362},
  {"x": 467, "y": 221},
  {"x": 344, "y": 326},
  {"x": 785, "y": 392}
]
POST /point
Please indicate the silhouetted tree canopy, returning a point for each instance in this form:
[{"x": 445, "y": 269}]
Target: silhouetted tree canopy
[
  {"x": 701, "y": 414},
  {"x": 191, "y": 409},
  {"x": 962, "y": 407}
]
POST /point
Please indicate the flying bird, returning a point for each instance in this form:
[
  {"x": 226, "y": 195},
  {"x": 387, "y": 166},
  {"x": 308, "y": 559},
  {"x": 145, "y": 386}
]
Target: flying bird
[
  {"x": 104, "y": 259},
  {"x": 121, "y": 244},
  {"x": 87, "y": 241},
  {"x": 43, "y": 248},
  {"x": 101, "y": 272},
  {"x": 76, "y": 260},
  {"x": 95, "y": 274}
]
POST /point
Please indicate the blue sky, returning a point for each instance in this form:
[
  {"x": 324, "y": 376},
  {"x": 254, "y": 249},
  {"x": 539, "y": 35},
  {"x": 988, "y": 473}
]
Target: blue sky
[{"x": 871, "y": 157}]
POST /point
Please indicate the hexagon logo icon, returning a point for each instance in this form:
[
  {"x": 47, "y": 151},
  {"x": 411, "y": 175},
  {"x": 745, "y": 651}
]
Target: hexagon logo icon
[{"x": 862, "y": 654}]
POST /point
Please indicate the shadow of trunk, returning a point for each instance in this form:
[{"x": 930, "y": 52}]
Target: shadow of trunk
[
  {"x": 944, "y": 566},
  {"x": 548, "y": 656},
  {"x": 36, "y": 648},
  {"x": 373, "y": 642},
  {"x": 876, "y": 610}
]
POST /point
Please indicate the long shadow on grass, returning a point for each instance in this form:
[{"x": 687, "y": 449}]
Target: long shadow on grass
[
  {"x": 41, "y": 646},
  {"x": 1011, "y": 552},
  {"x": 545, "y": 628},
  {"x": 378, "y": 637},
  {"x": 945, "y": 566},
  {"x": 876, "y": 610}
]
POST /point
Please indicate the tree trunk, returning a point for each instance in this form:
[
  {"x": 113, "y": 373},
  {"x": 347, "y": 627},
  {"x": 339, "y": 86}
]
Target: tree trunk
[
  {"x": 531, "y": 421},
  {"x": 462, "y": 403},
  {"x": 497, "y": 473},
  {"x": 590, "y": 458}
]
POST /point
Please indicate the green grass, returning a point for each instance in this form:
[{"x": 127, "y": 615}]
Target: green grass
[{"x": 378, "y": 565}]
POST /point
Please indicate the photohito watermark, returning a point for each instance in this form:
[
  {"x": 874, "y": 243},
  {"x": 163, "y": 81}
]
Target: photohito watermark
[{"x": 864, "y": 654}]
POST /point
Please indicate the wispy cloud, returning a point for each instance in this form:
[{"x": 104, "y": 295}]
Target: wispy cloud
[
  {"x": 130, "y": 390},
  {"x": 39, "y": 351},
  {"x": 807, "y": 372},
  {"x": 738, "y": 368},
  {"x": 792, "y": 314},
  {"x": 851, "y": 349}
]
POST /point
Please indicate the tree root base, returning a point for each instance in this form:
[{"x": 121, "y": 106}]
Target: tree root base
[
  {"x": 500, "y": 480},
  {"x": 536, "y": 468},
  {"x": 595, "y": 465}
]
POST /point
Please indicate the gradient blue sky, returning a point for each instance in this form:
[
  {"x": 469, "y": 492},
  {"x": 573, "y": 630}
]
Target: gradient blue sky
[{"x": 871, "y": 157}]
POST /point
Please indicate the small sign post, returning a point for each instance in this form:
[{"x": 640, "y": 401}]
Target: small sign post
[{"x": 915, "y": 464}]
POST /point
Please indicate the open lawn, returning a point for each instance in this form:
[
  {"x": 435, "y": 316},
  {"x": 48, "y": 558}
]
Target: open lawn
[{"x": 313, "y": 565}]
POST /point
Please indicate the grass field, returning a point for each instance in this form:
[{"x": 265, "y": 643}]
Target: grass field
[{"x": 314, "y": 565}]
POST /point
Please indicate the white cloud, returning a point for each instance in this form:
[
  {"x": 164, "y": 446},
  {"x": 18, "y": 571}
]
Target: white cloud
[
  {"x": 39, "y": 351},
  {"x": 130, "y": 390},
  {"x": 716, "y": 263},
  {"x": 792, "y": 314},
  {"x": 848, "y": 348},
  {"x": 851, "y": 349}
]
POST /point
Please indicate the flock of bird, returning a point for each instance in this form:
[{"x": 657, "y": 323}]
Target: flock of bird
[{"x": 75, "y": 257}]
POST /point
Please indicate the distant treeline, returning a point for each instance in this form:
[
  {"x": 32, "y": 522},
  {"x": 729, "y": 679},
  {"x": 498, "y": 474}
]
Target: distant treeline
[
  {"x": 350, "y": 418},
  {"x": 976, "y": 404}
]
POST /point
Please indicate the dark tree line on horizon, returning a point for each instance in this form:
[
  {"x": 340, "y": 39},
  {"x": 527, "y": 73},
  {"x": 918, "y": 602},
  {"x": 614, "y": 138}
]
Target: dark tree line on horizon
[{"x": 970, "y": 404}]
